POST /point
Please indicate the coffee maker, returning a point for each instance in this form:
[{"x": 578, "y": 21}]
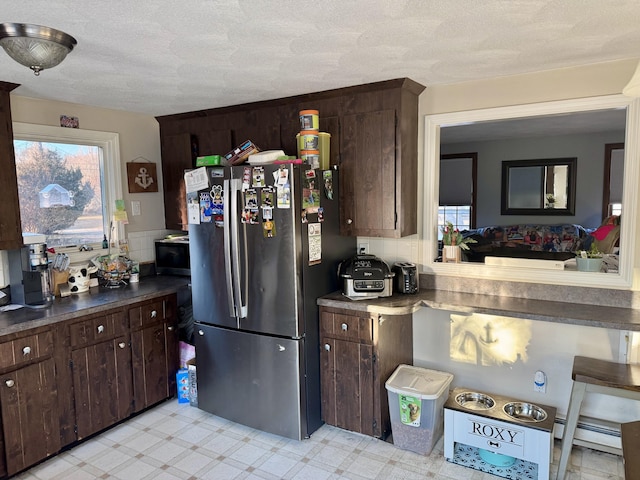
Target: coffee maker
[{"x": 30, "y": 276}]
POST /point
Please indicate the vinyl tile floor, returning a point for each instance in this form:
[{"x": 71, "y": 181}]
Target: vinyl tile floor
[{"x": 177, "y": 442}]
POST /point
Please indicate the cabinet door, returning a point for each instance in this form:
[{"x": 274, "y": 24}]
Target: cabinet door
[
  {"x": 102, "y": 385},
  {"x": 331, "y": 125},
  {"x": 347, "y": 385},
  {"x": 10, "y": 227},
  {"x": 261, "y": 126},
  {"x": 30, "y": 415},
  {"x": 368, "y": 174},
  {"x": 171, "y": 325},
  {"x": 176, "y": 158},
  {"x": 150, "y": 369}
]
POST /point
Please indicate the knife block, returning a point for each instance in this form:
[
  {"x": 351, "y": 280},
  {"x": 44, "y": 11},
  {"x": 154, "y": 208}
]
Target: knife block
[{"x": 59, "y": 278}]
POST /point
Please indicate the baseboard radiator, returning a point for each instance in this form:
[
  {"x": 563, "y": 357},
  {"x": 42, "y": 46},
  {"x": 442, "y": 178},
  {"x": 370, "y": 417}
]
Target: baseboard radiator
[{"x": 593, "y": 433}]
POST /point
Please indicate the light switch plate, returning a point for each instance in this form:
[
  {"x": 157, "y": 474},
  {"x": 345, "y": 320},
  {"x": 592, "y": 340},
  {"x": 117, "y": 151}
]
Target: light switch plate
[{"x": 135, "y": 207}]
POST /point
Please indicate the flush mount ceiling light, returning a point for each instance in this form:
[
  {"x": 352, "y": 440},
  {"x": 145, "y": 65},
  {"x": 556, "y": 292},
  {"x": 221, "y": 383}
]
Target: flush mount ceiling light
[{"x": 35, "y": 46}]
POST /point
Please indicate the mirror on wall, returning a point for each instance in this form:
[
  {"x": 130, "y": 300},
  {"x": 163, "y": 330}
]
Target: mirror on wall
[
  {"x": 573, "y": 133},
  {"x": 539, "y": 187}
]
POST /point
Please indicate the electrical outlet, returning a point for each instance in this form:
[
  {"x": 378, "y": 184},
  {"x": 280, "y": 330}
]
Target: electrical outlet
[
  {"x": 363, "y": 248},
  {"x": 540, "y": 382}
]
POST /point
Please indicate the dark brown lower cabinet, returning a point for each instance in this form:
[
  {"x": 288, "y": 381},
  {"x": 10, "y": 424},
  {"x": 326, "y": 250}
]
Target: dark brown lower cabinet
[
  {"x": 359, "y": 352},
  {"x": 29, "y": 415},
  {"x": 102, "y": 385},
  {"x": 61, "y": 384},
  {"x": 150, "y": 371},
  {"x": 154, "y": 344}
]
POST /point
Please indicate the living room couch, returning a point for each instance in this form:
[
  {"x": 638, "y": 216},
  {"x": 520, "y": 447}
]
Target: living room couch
[{"x": 550, "y": 242}]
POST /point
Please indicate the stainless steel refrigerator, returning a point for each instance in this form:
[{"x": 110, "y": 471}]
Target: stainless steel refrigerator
[{"x": 267, "y": 245}]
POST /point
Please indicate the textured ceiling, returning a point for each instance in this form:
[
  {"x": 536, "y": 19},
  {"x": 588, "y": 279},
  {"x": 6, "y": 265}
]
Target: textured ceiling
[{"x": 160, "y": 57}]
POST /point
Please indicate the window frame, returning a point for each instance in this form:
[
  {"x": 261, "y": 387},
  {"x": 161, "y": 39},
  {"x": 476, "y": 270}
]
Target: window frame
[
  {"x": 111, "y": 175},
  {"x": 623, "y": 280}
]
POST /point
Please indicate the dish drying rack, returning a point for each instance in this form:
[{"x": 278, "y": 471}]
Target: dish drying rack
[{"x": 113, "y": 270}]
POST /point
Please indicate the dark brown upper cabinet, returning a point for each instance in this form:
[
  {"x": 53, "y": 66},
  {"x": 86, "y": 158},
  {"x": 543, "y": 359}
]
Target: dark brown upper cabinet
[
  {"x": 374, "y": 144},
  {"x": 10, "y": 226}
]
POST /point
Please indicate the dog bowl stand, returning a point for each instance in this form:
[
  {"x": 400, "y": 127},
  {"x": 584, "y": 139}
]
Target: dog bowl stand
[{"x": 467, "y": 428}]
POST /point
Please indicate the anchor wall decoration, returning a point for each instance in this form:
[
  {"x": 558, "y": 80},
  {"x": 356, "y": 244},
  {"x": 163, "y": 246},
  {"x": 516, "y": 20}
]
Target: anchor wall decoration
[{"x": 142, "y": 177}]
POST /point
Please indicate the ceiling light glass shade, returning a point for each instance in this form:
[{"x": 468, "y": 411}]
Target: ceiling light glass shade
[
  {"x": 34, "y": 46},
  {"x": 633, "y": 87}
]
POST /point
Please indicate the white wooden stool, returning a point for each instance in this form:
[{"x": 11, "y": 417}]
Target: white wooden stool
[{"x": 599, "y": 376}]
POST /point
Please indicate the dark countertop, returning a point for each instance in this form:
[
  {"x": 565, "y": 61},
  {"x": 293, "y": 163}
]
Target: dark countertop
[
  {"x": 616, "y": 318},
  {"x": 98, "y": 299}
]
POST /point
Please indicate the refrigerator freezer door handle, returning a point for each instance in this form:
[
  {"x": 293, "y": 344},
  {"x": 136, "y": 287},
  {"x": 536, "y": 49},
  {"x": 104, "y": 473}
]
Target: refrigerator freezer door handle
[
  {"x": 227, "y": 248},
  {"x": 234, "y": 213}
]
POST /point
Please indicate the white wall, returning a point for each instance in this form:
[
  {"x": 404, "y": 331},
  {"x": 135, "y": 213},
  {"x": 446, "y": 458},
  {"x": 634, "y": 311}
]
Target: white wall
[
  {"x": 139, "y": 141},
  {"x": 552, "y": 346},
  {"x": 587, "y": 148},
  {"x": 577, "y": 82}
]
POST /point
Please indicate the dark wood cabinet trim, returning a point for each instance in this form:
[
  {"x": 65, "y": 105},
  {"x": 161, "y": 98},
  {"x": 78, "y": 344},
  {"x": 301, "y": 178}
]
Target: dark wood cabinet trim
[{"x": 10, "y": 225}]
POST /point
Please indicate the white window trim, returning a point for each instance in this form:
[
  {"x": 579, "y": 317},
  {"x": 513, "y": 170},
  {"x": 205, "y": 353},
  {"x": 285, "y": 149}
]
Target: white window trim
[
  {"x": 628, "y": 234},
  {"x": 110, "y": 163}
]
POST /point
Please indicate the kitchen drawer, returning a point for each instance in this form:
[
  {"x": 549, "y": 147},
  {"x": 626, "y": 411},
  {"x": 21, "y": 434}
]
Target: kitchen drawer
[
  {"x": 146, "y": 314},
  {"x": 346, "y": 327},
  {"x": 25, "y": 349},
  {"x": 97, "y": 328}
]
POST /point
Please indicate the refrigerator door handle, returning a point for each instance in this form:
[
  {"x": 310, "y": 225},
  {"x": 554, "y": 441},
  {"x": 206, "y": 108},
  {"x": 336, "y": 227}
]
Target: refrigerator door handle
[
  {"x": 227, "y": 247},
  {"x": 234, "y": 213}
]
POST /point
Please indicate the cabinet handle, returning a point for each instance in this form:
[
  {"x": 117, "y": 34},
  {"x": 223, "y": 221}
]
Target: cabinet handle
[
  {"x": 344, "y": 327},
  {"x": 349, "y": 221},
  {"x": 170, "y": 328},
  {"x": 9, "y": 383},
  {"x": 122, "y": 344},
  {"x": 327, "y": 347},
  {"x": 100, "y": 328},
  {"x": 200, "y": 332},
  {"x": 26, "y": 351},
  {"x": 154, "y": 314}
]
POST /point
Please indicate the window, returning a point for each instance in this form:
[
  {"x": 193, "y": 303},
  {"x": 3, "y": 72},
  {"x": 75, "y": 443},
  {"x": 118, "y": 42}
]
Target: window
[
  {"x": 569, "y": 112},
  {"x": 615, "y": 209},
  {"x": 457, "y": 193},
  {"x": 60, "y": 191},
  {"x": 68, "y": 181},
  {"x": 459, "y": 216}
]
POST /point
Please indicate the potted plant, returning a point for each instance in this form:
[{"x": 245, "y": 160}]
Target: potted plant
[
  {"x": 589, "y": 260},
  {"x": 550, "y": 200},
  {"x": 452, "y": 242}
]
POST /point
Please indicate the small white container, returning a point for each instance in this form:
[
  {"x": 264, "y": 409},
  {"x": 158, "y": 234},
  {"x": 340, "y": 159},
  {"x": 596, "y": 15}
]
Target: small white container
[
  {"x": 416, "y": 406},
  {"x": 589, "y": 264}
]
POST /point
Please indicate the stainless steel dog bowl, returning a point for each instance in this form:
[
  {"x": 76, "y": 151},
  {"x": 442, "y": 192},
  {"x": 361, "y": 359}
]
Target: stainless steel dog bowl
[
  {"x": 475, "y": 401},
  {"x": 526, "y": 412}
]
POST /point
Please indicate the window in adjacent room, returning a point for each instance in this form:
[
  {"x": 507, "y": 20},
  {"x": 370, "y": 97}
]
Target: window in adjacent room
[
  {"x": 459, "y": 216},
  {"x": 613, "y": 179},
  {"x": 67, "y": 183},
  {"x": 457, "y": 191}
]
